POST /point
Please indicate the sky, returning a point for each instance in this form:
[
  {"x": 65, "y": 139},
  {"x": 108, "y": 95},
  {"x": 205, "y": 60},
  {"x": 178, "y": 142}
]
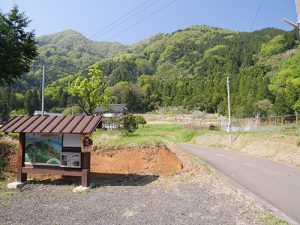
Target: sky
[{"x": 130, "y": 21}]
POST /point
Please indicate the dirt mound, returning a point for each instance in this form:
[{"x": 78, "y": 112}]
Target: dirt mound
[{"x": 156, "y": 159}]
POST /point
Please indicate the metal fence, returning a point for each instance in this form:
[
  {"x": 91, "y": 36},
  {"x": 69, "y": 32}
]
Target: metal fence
[{"x": 271, "y": 123}]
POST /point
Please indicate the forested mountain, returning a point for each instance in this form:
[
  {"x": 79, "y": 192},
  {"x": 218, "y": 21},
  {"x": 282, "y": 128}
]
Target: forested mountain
[
  {"x": 185, "y": 68},
  {"x": 65, "y": 53}
]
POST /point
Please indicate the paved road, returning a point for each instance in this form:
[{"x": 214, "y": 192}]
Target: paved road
[{"x": 276, "y": 184}]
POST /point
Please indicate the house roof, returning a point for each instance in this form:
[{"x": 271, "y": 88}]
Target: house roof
[
  {"x": 112, "y": 108},
  {"x": 52, "y": 124}
]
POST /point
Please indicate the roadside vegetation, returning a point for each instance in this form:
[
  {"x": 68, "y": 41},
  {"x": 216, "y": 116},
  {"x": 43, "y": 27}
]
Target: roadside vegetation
[
  {"x": 270, "y": 219},
  {"x": 8, "y": 147},
  {"x": 279, "y": 146}
]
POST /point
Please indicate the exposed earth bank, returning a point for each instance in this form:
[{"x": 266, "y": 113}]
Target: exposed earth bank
[{"x": 156, "y": 159}]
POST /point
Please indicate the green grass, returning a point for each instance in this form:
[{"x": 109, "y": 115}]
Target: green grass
[
  {"x": 270, "y": 219},
  {"x": 146, "y": 135}
]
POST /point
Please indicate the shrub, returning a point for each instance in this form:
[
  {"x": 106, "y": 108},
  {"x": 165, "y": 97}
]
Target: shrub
[
  {"x": 129, "y": 123},
  {"x": 7, "y": 148},
  {"x": 139, "y": 120}
]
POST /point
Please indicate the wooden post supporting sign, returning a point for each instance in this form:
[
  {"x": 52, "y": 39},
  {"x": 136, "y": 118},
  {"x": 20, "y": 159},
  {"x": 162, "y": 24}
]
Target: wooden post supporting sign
[
  {"x": 22, "y": 177},
  {"x": 86, "y": 163}
]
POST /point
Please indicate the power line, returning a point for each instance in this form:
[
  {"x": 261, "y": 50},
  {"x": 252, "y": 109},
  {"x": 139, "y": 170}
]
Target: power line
[
  {"x": 256, "y": 15},
  {"x": 140, "y": 21},
  {"x": 125, "y": 20},
  {"x": 120, "y": 18}
]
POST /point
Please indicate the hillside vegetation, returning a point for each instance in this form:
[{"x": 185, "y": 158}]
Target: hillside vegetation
[
  {"x": 185, "y": 68},
  {"x": 65, "y": 53}
]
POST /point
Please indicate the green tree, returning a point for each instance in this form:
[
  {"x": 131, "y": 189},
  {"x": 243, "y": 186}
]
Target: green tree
[
  {"x": 31, "y": 101},
  {"x": 280, "y": 106},
  {"x": 5, "y": 106},
  {"x": 17, "y": 46},
  {"x": 89, "y": 91},
  {"x": 129, "y": 99}
]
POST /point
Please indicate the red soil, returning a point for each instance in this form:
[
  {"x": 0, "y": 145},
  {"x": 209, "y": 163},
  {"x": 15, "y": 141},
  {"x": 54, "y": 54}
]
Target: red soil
[{"x": 147, "y": 160}]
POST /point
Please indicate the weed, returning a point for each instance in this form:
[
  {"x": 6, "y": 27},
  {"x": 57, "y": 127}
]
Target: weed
[
  {"x": 270, "y": 219},
  {"x": 186, "y": 136}
]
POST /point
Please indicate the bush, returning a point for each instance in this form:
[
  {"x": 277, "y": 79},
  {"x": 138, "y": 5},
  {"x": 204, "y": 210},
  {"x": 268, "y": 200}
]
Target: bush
[
  {"x": 129, "y": 123},
  {"x": 19, "y": 112},
  {"x": 7, "y": 148},
  {"x": 139, "y": 120}
]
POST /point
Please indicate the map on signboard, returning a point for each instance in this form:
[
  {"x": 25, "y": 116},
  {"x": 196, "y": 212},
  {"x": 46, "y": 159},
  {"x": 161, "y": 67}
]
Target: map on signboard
[{"x": 42, "y": 149}]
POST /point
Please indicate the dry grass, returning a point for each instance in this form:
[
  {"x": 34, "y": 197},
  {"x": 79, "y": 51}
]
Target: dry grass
[
  {"x": 279, "y": 147},
  {"x": 8, "y": 147}
]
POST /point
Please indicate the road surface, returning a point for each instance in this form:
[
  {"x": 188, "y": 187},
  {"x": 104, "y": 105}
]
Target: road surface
[{"x": 276, "y": 184}]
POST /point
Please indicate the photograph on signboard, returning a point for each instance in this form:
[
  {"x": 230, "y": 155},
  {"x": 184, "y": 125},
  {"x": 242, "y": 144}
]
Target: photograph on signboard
[{"x": 43, "y": 149}]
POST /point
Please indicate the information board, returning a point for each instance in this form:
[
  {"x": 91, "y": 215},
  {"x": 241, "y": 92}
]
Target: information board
[{"x": 43, "y": 149}]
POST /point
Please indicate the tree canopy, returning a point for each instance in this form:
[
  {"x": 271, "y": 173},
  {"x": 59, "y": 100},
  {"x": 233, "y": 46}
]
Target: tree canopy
[
  {"x": 88, "y": 91},
  {"x": 17, "y": 46}
]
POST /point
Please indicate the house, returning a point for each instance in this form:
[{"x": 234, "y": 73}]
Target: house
[{"x": 111, "y": 114}]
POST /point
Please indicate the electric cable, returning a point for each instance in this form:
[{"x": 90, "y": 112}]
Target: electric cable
[
  {"x": 256, "y": 15},
  {"x": 120, "y": 18},
  {"x": 143, "y": 19},
  {"x": 125, "y": 20}
]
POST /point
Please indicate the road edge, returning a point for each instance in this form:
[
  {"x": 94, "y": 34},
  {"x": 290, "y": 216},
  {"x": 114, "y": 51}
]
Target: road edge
[{"x": 246, "y": 192}]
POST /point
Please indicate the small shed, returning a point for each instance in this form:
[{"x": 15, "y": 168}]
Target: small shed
[{"x": 54, "y": 145}]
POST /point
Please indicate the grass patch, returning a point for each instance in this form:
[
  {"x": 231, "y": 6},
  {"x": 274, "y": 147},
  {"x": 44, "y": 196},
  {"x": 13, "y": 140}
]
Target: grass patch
[
  {"x": 146, "y": 135},
  {"x": 186, "y": 136},
  {"x": 270, "y": 219}
]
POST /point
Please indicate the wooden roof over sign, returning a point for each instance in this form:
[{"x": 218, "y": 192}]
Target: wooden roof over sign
[{"x": 52, "y": 124}]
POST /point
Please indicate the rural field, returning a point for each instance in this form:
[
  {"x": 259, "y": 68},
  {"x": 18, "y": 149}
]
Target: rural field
[
  {"x": 149, "y": 112},
  {"x": 140, "y": 177}
]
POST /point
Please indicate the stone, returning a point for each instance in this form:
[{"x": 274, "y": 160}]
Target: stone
[
  {"x": 15, "y": 185},
  {"x": 80, "y": 189}
]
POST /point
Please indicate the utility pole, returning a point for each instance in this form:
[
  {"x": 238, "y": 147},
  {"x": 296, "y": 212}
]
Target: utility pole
[
  {"x": 43, "y": 88},
  {"x": 229, "y": 113}
]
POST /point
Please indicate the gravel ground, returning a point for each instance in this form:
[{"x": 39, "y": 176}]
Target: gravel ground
[{"x": 130, "y": 200}]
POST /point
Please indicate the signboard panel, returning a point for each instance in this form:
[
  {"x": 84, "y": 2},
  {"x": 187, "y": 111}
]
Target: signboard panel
[
  {"x": 43, "y": 149},
  {"x": 72, "y": 140}
]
